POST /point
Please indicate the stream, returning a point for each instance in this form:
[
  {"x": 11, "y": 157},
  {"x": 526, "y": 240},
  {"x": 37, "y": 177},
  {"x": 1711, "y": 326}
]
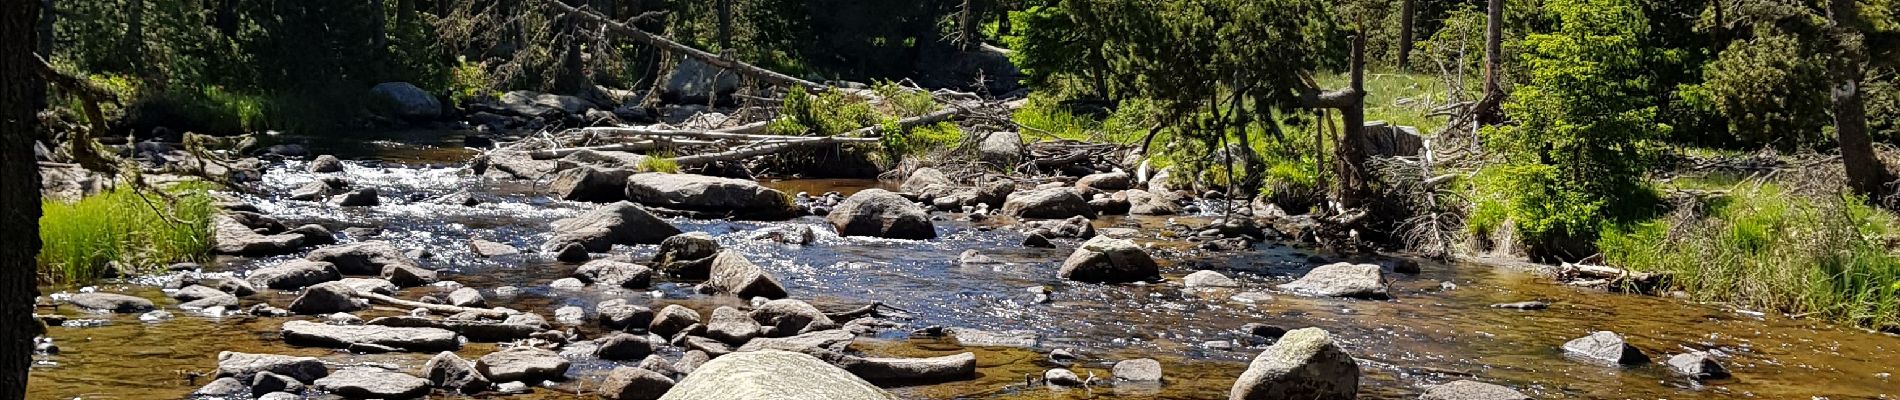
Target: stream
[{"x": 1439, "y": 327}]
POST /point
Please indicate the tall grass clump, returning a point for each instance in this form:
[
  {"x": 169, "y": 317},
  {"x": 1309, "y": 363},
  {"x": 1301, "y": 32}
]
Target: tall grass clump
[
  {"x": 1765, "y": 247},
  {"x": 140, "y": 231}
]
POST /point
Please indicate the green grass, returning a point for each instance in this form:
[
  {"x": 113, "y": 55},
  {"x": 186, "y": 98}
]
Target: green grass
[
  {"x": 661, "y": 161},
  {"x": 1398, "y": 98},
  {"x": 1770, "y": 249},
  {"x": 78, "y": 239}
]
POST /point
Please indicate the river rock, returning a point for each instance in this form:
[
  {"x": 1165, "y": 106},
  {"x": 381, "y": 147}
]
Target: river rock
[
  {"x": 1142, "y": 202},
  {"x": 732, "y": 326},
  {"x": 618, "y": 314},
  {"x": 615, "y": 274},
  {"x": 408, "y": 275},
  {"x": 111, "y": 302},
  {"x": 688, "y": 255},
  {"x": 1061, "y": 377},
  {"x": 1303, "y": 364},
  {"x": 772, "y": 374},
  {"x": 195, "y": 292},
  {"x": 217, "y": 299},
  {"x": 486, "y": 248},
  {"x": 235, "y": 287},
  {"x": 373, "y": 383},
  {"x": 1002, "y": 149},
  {"x": 266, "y": 382},
  {"x": 587, "y": 183},
  {"x": 1138, "y": 370},
  {"x": 736, "y": 197},
  {"x": 980, "y": 338},
  {"x": 1037, "y": 239},
  {"x": 733, "y": 274},
  {"x": 1605, "y": 347},
  {"x": 624, "y": 347},
  {"x": 618, "y": 223},
  {"x": 526, "y": 364},
  {"x": 364, "y": 197},
  {"x": 1109, "y": 260},
  {"x": 787, "y": 317},
  {"x": 222, "y": 388},
  {"x": 1047, "y": 203},
  {"x": 1697, "y": 365},
  {"x": 344, "y": 337},
  {"x": 628, "y": 383},
  {"x": 1209, "y": 279},
  {"x": 819, "y": 342},
  {"x": 294, "y": 275},
  {"x": 1363, "y": 281},
  {"x": 245, "y": 366},
  {"x": 572, "y": 253},
  {"x": 672, "y": 319},
  {"x": 1105, "y": 182},
  {"x": 1471, "y": 390},
  {"x": 370, "y": 285},
  {"x": 229, "y": 236},
  {"x": 695, "y": 82},
  {"x": 880, "y": 213},
  {"x": 408, "y": 101},
  {"x": 710, "y": 346},
  {"x": 362, "y": 258},
  {"x": 325, "y": 163},
  {"x": 325, "y": 298},
  {"x": 1523, "y": 305},
  {"x": 923, "y": 179},
  {"x": 449, "y": 371},
  {"x": 467, "y": 297}
]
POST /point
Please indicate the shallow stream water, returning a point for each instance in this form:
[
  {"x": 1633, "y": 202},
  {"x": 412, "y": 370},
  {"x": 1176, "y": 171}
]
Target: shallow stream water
[{"x": 1438, "y": 328}]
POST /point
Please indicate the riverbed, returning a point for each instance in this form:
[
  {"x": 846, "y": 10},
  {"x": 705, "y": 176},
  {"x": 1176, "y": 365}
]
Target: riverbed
[{"x": 1439, "y": 327}]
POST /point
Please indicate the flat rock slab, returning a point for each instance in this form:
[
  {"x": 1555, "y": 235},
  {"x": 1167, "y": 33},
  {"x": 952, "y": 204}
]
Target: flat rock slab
[
  {"x": 411, "y": 339},
  {"x": 111, "y": 302},
  {"x": 1605, "y": 347},
  {"x": 773, "y": 375},
  {"x": 245, "y": 366},
  {"x": 1469, "y": 390},
  {"x": 373, "y": 383},
  {"x": 525, "y": 364},
  {"x": 1362, "y": 281}
]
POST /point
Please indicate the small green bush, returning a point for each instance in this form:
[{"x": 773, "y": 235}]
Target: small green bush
[
  {"x": 659, "y": 162},
  {"x": 78, "y": 239},
  {"x": 828, "y": 113}
]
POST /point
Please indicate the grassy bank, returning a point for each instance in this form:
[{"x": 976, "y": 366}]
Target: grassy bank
[
  {"x": 1769, "y": 248},
  {"x": 141, "y": 231}
]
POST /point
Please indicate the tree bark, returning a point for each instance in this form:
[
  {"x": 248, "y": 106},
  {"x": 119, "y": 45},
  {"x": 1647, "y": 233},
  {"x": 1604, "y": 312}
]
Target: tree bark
[
  {"x": 1866, "y": 175},
  {"x": 49, "y": 16},
  {"x": 725, "y": 26},
  {"x": 1351, "y": 145},
  {"x": 1406, "y": 9},
  {"x": 965, "y": 32},
  {"x": 21, "y": 92},
  {"x": 1489, "y": 109}
]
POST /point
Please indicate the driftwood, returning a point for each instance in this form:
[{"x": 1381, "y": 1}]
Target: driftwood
[
  {"x": 706, "y": 135},
  {"x": 442, "y": 308},
  {"x": 771, "y": 146},
  {"x": 1611, "y": 277}
]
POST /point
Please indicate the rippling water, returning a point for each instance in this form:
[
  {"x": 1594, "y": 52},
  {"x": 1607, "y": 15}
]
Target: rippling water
[{"x": 1432, "y": 333}]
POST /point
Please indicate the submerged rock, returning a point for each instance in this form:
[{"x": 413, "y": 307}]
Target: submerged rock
[
  {"x": 1049, "y": 203},
  {"x": 1110, "y": 260},
  {"x": 373, "y": 383},
  {"x": 599, "y": 229},
  {"x": 1471, "y": 390},
  {"x": 1364, "y": 281},
  {"x": 111, "y": 302},
  {"x": 736, "y": 197},
  {"x": 1605, "y": 347},
  {"x": 1697, "y": 365},
  {"x": 773, "y": 374},
  {"x": 733, "y": 274},
  {"x": 880, "y": 213},
  {"x": 1304, "y": 364}
]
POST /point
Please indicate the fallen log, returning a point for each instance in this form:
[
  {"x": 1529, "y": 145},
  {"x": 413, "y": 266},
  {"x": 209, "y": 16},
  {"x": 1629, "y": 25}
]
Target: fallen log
[
  {"x": 762, "y": 74},
  {"x": 442, "y": 308},
  {"x": 856, "y": 136},
  {"x": 706, "y": 135}
]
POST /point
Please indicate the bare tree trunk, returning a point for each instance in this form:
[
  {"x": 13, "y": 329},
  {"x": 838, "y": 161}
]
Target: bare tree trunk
[
  {"x": 965, "y": 32},
  {"x": 572, "y": 78},
  {"x": 1490, "y": 107},
  {"x": 725, "y": 27},
  {"x": 1865, "y": 173},
  {"x": 1351, "y": 145},
  {"x": 21, "y": 92},
  {"x": 1406, "y": 9},
  {"x": 1002, "y": 18}
]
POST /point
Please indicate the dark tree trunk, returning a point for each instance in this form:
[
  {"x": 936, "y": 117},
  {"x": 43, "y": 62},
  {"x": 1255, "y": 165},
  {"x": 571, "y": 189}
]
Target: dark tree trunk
[
  {"x": 571, "y": 78},
  {"x": 1351, "y": 145},
  {"x": 966, "y": 34},
  {"x": 1002, "y": 19},
  {"x": 227, "y": 18},
  {"x": 135, "y": 36},
  {"x": 725, "y": 26},
  {"x": 1406, "y": 9},
  {"x": 1865, "y": 173},
  {"x": 1490, "y": 110},
  {"x": 48, "y": 18},
  {"x": 380, "y": 34},
  {"x": 21, "y": 92}
]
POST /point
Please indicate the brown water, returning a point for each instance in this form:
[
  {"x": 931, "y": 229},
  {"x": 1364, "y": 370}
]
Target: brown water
[{"x": 1430, "y": 334}]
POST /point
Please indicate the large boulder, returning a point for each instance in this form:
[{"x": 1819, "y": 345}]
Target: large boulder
[
  {"x": 624, "y": 347},
  {"x": 229, "y": 236},
  {"x": 725, "y": 196},
  {"x": 1303, "y": 364},
  {"x": 449, "y": 371},
  {"x": 695, "y": 82},
  {"x": 1048, "y": 203},
  {"x": 587, "y": 183},
  {"x": 1142, "y": 202},
  {"x": 733, "y": 274},
  {"x": 773, "y": 375},
  {"x": 362, "y": 258},
  {"x": 1364, "y": 281},
  {"x": 924, "y": 179},
  {"x": 111, "y": 302},
  {"x": 1002, "y": 149},
  {"x": 615, "y": 274},
  {"x": 1471, "y": 390},
  {"x": 1605, "y": 347},
  {"x": 732, "y": 326},
  {"x": 369, "y": 337},
  {"x": 524, "y": 364},
  {"x": 787, "y": 317},
  {"x": 673, "y": 319},
  {"x": 245, "y": 366},
  {"x": 325, "y": 298},
  {"x": 1697, "y": 365},
  {"x": 373, "y": 383},
  {"x": 619, "y": 223},
  {"x": 1105, "y": 182},
  {"x": 1106, "y": 259},
  {"x": 687, "y": 255},
  {"x": 629, "y": 383},
  {"x": 295, "y": 274},
  {"x": 405, "y": 100},
  {"x": 880, "y": 213}
]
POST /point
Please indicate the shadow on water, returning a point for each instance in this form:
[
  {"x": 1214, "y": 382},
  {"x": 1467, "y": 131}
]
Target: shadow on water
[{"x": 1432, "y": 333}]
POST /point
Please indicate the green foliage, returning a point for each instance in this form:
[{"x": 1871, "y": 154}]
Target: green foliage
[
  {"x": 469, "y": 81},
  {"x": 921, "y": 140},
  {"x": 659, "y": 162},
  {"x": 828, "y": 113},
  {"x": 900, "y": 102},
  {"x": 1045, "y": 115},
  {"x": 138, "y": 230},
  {"x": 1770, "y": 90},
  {"x": 1576, "y": 158},
  {"x": 1771, "y": 249}
]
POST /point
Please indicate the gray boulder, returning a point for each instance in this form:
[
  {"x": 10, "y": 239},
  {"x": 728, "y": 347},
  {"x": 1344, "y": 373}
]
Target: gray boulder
[
  {"x": 773, "y": 374},
  {"x": 1047, "y": 203},
  {"x": 732, "y": 326},
  {"x": 325, "y": 298},
  {"x": 364, "y": 197},
  {"x": 618, "y": 314},
  {"x": 245, "y": 366},
  {"x": 733, "y": 274},
  {"x": 688, "y": 255},
  {"x": 1303, "y": 364},
  {"x": 1209, "y": 279},
  {"x": 615, "y": 274},
  {"x": 587, "y": 183},
  {"x": 373, "y": 383},
  {"x": 222, "y": 388},
  {"x": 924, "y": 179},
  {"x": 725, "y": 196},
  {"x": 1697, "y": 365},
  {"x": 1002, "y": 149},
  {"x": 467, "y": 297},
  {"x": 1142, "y": 202},
  {"x": 325, "y": 163},
  {"x": 880, "y": 213},
  {"x": 267, "y": 382},
  {"x": 111, "y": 302},
  {"x": 624, "y": 347},
  {"x": 673, "y": 319},
  {"x": 1109, "y": 260},
  {"x": 1105, "y": 182},
  {"x": 230, "y": 236},
  {"x": 449, "y": 371},
  {"x": 408, "y": 101},
  {"x": 1471, "y": 390},
  {"x": 369, "y": 336},
  {"x": 370, "y": 285},
  {"x": 1364, "y": 281},
  {"x": 619, "y": 223},
  {"x": 1138, "y": 370},
  {"x": 524, "y": 364},
  {"x": 787, "y": 317},
  {"x": 1605, "y": 347},
  {"x": 362, "y": 258},
  {"x": 408, "y": 275},
  {"x": 695, "y": 82},
  {"x": 628, "y": 383}
]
